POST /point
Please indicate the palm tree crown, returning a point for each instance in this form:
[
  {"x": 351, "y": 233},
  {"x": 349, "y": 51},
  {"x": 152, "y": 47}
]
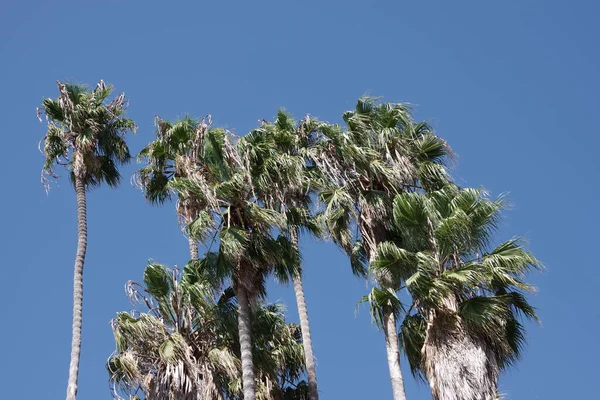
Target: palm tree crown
[
  {"x": 186, "y": 345},
  {"x": 463, "y": 326},
  {"x": 382, "y": 152},
  {"x": 86, "y": 134},
  {"x": 180, "y": 151}
]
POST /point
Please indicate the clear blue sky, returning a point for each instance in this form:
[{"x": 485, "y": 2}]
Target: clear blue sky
[{"x": 512, "y": 85}]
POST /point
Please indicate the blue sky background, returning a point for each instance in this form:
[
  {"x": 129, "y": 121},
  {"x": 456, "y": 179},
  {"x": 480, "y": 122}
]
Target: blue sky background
[{"x": 513, "y": 86}]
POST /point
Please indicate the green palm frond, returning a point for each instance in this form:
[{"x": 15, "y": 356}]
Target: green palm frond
[
  {"x": 394, "y": 261},
  {"x": 379, "y": 300},
  {"x": 337, "y": 216},
  {"x": 507, "y": 262},
  {"x": 182, "y": 160},
  {"x": 289, "y": 263},
  {"x": 158, "y": 280},
  {"x": 440, "y": 255},
  {"x": 86, "y": 134},
  {"x": 195, "y": 355},
  {"x": 234, "y": 243},
  {"x": 304, "y": 220},
  {"x": 359, "y": 261},
  {"x": 202, "y": 226},
  {"x": 411, "y": 338},
  {"x": 429, "y": 147}
]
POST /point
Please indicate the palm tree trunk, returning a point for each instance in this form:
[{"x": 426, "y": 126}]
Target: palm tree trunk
[
  {"x": 458, "y": 364},
  {"x": 248, "y": 383},
  {"x": 311, "y": 372},
  {"x": 393, "y": 354},
  {"x": 193, "y": 248},
  {"x": 78, "y": 288}
]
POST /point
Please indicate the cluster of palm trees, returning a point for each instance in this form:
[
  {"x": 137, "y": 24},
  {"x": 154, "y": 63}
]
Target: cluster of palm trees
[{"x": 377, "y": 187}]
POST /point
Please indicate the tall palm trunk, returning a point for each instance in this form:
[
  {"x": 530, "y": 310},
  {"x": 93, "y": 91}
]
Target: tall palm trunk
[
  {"x": 193, "y": 248},
  {"x": 78, "y": 288},
  {"x": 391, "y": 337},
  {"x": 305, "y": 326},
  {"x": 393, "y": 354},
  {"x": 458, "y": 364},
  {"x": 248, "y": 382}
]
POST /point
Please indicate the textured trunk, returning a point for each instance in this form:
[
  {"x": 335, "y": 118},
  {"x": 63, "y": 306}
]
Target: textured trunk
[
  {"x": 458, "y": 365},
  {"x": 78, "y": 289},
  {"x": 248, "y": 383},
  {"x": 193, "y": 249},
  {"x": 305, "y": 327},
  {"x": 391, "y": 334},
  {"x": 393, "y": 354}
]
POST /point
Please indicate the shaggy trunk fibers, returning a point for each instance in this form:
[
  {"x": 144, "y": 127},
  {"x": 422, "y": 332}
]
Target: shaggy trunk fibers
[{"x": 458, "y": 364}]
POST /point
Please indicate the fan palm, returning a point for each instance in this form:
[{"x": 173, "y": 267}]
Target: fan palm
[
  {"x": 86, "y": 135},
  {"x": 248, "y": 251},
  {"x": 185, "y": 346},
  {"x": 463, "y": 327},
  {"x": 382, "y": 152},
  {"x": 175, "y": 153},
  {"x": 276, "y": 156}
]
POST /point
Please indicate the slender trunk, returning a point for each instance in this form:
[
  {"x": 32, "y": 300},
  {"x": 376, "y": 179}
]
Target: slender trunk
[
  {"x": 458, "y": 365},
  {"x": 248, "y": 383},
  {"x": 391, "y": 336},
  {"x": 78, "y": 288},
  {"x": 311, "y": 372},
  {"x": 193, "y": 248},
  {"x": 393, "y": 354}
]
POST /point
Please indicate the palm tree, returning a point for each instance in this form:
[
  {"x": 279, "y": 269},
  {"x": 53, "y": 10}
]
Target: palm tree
[
  {"x": 248, "y": 252},
  {"x": 276, "y": 156},
  {"x": 278, "y": 354},
  {"x": 383, "y": 152},
  {"x": 175, "y": 154},
  {"x": 86, "y": 135},
  {"x": 185, "y": 346},
  {"x": 172, "y": 350},
  {"x": 462, "y": 328}
]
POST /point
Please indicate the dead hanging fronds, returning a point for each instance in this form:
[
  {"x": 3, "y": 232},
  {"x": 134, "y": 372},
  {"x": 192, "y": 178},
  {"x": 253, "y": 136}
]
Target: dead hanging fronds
[
  {"x": 405, "y": 171},
  {"x": 230, "y": 152},
  {"x": 157, "y": 352},
  {"x": 137, "y": 180},
  {"x": 64, "y": 99},
  {"x": 118, "y": 103},
  {"x": 199, "y": 137},
  {"x": 100, "y": 86},
  {"x": 162, "y": 126},
  {"x": 38, "y": 112},
  {"x": 136, "y": 294},
  {"x": 185, "y": 347}
]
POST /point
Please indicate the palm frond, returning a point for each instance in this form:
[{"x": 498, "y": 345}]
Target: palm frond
[
  {"x": 86, "y": 134},
  {"x": 196, "y": 355}
]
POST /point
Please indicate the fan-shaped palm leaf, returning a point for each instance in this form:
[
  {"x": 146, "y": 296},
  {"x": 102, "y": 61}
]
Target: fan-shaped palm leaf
[
  {"x": 186, "y": 344},
  {"x": 464, "y": 325}
]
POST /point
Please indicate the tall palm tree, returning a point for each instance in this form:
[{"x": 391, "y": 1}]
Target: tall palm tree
[
  {"x": 382, "y": 152},
  {"x": 248, "y": 251},
  {"x": 276, "y": 155},
  {"x": 186, "y": 346},
  {"x": 462, "y": 328},
  {"x": 86, "y": 135},
  {"x": 175, "y": 154}
]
